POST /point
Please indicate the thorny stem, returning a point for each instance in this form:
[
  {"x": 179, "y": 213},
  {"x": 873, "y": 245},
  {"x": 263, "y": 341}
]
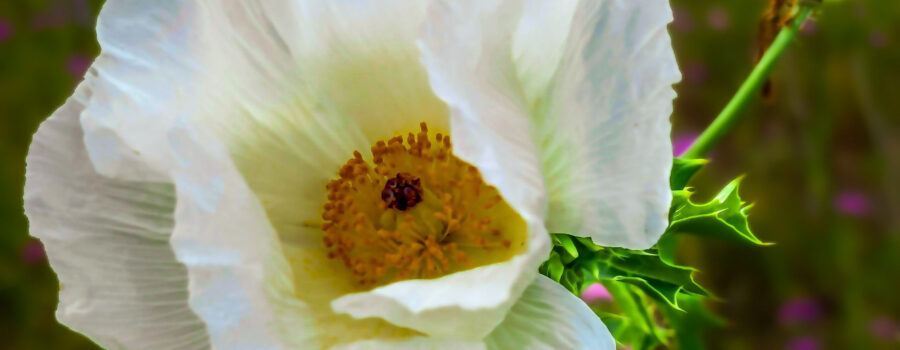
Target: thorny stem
[{"x": 732, "y": 111}]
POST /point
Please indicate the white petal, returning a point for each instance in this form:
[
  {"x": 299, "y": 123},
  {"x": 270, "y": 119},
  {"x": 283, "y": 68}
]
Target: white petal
[
  {"x": 357, "y": 80},
  {"x": 154, "y": 72},
  {"x": 466, "y": 48},
  {"x": 242, "y": 284},
  {"x": 107, "y": 240},
  {"x": 352, "y": 77},
  {"x": 234, "y": 260},
  {"x": 539, "y": 43},
  {"x": 468, "y": 304},
  {"x": 144, "y": 66},
  {"x": 465, "y": 305},
  {"x": 367, "y": 86},
  {"x": 288, "y": 120},
  {"x": 417, "y": 343},
  {"x": 288, "y": 123},
  {"x": 549, "y": 317},
  {"x": 605, "y": 127}
]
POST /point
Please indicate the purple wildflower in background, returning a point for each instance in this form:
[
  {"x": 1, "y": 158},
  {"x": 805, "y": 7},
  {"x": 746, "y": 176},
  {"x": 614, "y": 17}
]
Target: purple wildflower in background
[
  {"x": 878, "y": 39},
  {"x": 805, "y": 343},
  {"x": 884, "y": 328},
  {"x": 717, "y": 18},
  {"x": 6, "y": 30},
  {"x": 77, "y": 65},
  {"x": 596, "y": 292},
  {"x": 81, "y": 12},
  {"x": 683, "y": 21},
  {"x": 853, "y": 203},
  {"x": 52, "y": 18},
  {"x": 859, "y": 10},
  {"x": 694, "y": 73},
  {"x": 682, "y": 143},
  {"x": 61, "y": 13},
  {"x": 33, "y": 252},
  {"x": 799, "y": 310},
  {"x": 810, "y": 27}
]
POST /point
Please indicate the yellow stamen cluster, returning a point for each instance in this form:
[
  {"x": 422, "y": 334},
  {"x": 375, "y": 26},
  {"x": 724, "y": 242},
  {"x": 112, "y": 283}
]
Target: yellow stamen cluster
[{"x": 450, "y": 220}]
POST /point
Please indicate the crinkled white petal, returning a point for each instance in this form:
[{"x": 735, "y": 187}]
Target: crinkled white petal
[
  {"x": 539, "y": 43},
  {"x": 154, "y": 71},
  {"x": 219, "y": 64},
  {"x": 603, "y": 123},
  {"x": 152, "y": 74},
  {"x": 289, "y": 89},
  {"x": 546, "y": 316},
  {"x": 362, "y": 82},
  {"x": 108, "y": 241},
  {"x": 417, "y": 343},
  {"x": 290, "y": 135},
  {"x": 550, "y": 317},
  {"x": 289, "y": 131},
  {"x": 466, "y": 48},
  {"x": 232, "y": 253},
  {"x": 147, "y": 63},
  {"x": 465, "y": 305}
]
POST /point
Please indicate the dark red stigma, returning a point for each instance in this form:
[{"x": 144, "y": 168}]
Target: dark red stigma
[{"x": 402, "y": 192}]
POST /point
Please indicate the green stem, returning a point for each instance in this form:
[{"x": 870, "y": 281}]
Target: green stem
[{"x": 729, "y": 115}]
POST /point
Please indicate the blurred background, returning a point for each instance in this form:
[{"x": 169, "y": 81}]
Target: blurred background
[{"x": 820, "y": 150}]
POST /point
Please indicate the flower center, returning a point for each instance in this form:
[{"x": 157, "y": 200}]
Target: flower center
[
  {"x": 416, "y": 211},
  {"x": 402, "y": 192}
]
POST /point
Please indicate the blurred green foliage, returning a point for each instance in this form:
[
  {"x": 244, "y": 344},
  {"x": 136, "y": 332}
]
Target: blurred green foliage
[
  {"x": 43, "y": 47},
  {"x": 822, "y": 158},
  {"x": 821, "y": 154}
]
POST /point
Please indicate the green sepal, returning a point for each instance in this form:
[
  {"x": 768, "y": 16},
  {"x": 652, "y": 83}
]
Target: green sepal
[
  {"x": 553, "y": 267},
  {"x": 577, "y": 263},
  {"x": 565, "y": 242},
  {"x": 683, "y": 170},
  {"x": 587, "y": 244}
]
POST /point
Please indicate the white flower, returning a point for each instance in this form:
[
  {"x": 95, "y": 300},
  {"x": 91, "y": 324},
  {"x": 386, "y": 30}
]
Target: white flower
[{"x": 181, "y": 192}]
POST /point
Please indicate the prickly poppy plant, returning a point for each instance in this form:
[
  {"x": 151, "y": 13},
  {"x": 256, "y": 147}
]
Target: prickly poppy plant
[{"x": 361, "y": 174}]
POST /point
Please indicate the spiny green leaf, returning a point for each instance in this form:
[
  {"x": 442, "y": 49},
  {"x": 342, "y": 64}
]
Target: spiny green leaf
[
  {"x": 666, "y": 293},
  {"x": 648, "y": 284},
  {"x": 667, "y": 248},
  {"x": 723, "y": 217},
  {"x": 644, "y": 269},
  {"x": 650, "y": 267}
]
